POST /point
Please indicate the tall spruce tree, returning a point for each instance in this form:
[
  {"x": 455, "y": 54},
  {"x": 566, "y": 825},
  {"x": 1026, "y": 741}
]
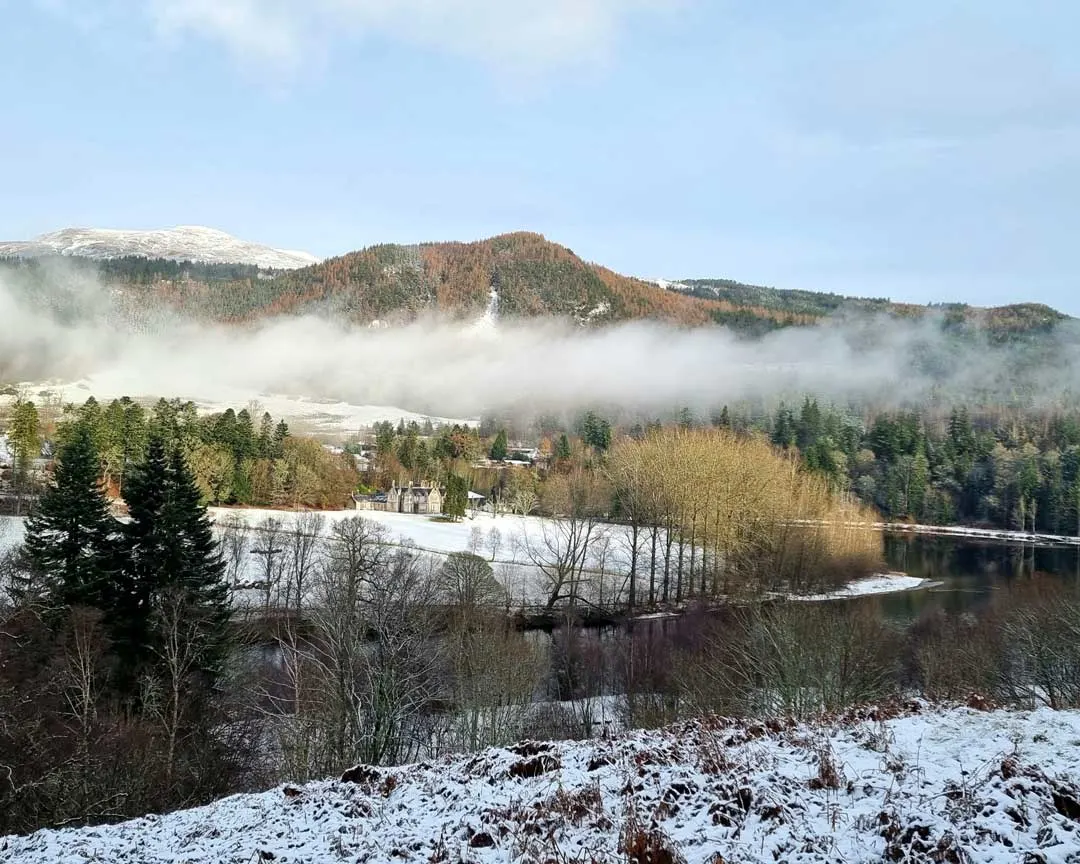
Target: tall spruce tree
[
  {"x": 500, "y": 447},
  {"x": 562, "y": 448},
  {"x": 71, "y": 539},
  {"x": 172, "y": 553},
  {"x": 456, "y": 499}
]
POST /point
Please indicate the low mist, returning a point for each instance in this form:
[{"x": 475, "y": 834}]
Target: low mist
[{"x": 71, "y": 329}]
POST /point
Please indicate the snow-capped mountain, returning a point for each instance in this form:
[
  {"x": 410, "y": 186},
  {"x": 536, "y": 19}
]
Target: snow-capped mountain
[{"x": 183, "y": 243}]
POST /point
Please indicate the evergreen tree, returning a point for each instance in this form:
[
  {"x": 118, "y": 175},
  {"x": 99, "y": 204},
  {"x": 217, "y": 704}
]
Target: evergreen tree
[
  {"x": 810, "y": 426},
  {"x": 457, "y": 497},
  {"x": 266, "y": 436},
  {"x": 500, "y": 447},
  {"x": 172, "y": 552},
  {"x": 24, "y": 436},
  {"x": 783, "y": 434},
  {"x": 71, "y": 539},
  {"x": 562, "y": 448},
  {"x": 245, "y": 444},
  {"x": 281, "y": 432},
  {"x": 135, "y": 436},
  {"x": 596, "y": 431}
]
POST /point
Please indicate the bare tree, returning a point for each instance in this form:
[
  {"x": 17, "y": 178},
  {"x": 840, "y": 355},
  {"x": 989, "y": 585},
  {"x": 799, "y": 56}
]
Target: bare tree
[
  {"x": 80, "y": 680},
  {"x": 371, "y": 670},
  {"x": 179, "y": 649},
  {"x": 494, "y": 543},
  {"x": 521, "y": 492},
  {"x": 560, "y": 552},
  {"x": 467, "y": 583},
  {"x": 235, "y": 542},
  {"x": 304, "y": 547},
  {"x": 269, "y": 545}
]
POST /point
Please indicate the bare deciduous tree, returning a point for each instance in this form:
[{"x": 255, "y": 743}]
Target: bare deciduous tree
[
  {"x": 235, "y": 541},
  {"x": 304, "y": 547},
  {"x": 560, "y": 551}
]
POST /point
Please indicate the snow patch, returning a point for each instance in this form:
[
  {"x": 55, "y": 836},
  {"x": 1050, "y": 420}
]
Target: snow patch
[
  {"x": 980, "y": 533},
  {"x": 884, "y": 583},
  {"x": 183, "y": 243}
]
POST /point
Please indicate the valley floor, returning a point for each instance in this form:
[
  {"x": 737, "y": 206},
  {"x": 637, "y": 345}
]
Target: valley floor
[
  {"x": 509, "y": 542},
  {"x": 916, "y": 784}
]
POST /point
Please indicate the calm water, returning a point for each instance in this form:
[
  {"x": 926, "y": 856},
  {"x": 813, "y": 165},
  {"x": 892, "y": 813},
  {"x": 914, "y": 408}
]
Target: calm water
[{"x": 970, "y": 570}]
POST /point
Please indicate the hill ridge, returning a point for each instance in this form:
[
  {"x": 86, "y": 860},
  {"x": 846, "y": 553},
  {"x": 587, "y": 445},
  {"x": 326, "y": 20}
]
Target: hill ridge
[{"x": 533, "y": 276}]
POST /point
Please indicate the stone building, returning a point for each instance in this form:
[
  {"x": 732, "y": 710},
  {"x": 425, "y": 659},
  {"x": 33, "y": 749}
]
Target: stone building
[{"x": 403, "y": 499}]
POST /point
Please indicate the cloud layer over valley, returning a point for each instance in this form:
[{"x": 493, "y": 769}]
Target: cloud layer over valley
[{"x": 70, "y": 331}]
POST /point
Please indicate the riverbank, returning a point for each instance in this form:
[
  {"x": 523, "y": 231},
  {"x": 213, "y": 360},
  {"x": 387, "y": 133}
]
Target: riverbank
[{"x": 979, "y": 533}]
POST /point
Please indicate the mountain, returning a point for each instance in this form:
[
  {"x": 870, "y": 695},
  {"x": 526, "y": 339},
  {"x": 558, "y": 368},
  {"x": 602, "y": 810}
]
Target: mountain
[
  {"x": 388, "y": 283},
  {"x": 391, "y": 283},
  {"x": 183, "y": 243},
  {"x": 915, "y": 784}
]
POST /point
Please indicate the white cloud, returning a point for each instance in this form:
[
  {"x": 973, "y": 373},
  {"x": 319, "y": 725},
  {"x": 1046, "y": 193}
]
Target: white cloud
[{"x": 518, "y": 34}]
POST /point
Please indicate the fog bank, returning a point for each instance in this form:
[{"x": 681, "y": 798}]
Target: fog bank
[{"x": 445, "y": 368}]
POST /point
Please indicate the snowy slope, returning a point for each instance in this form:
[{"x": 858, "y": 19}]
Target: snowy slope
[
  {"x": 923, "y": 785},
  {"x": 183, "y": 243}
]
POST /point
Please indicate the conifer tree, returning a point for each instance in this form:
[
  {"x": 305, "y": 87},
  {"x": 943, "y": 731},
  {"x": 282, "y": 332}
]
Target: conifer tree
[
  {"x": 562, "y": 448},
  {"x": 457, "y": 497},
  {"x": 499, "y": 448},
  {"x": 71, "y": 539},
  {"x": 281, "y": 432},
  {"x": 266, "y": 435},
  {"x": 24, "y": 435},
  {"x": 172, "y": 551}
]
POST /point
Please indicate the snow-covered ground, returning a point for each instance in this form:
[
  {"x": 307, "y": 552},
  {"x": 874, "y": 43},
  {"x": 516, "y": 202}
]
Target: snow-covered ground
[
  {"x": 12, "y": 531},
  {"x": 508, "y": 541},
  {"x": 885, "y": 583},
  {"x": 980, "y": 533},
  {"x": 918, "y": 785},
  {"x": 183, "y": 243},
  {"x": 477, "y": 532}
]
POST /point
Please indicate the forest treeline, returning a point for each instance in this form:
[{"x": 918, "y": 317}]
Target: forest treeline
[
  {"x": 995, "y": 468},
  {"x": 243, "y": 457},
  {"x": 1000, "y": 468},
  {"x": 1003, "y": 468}
]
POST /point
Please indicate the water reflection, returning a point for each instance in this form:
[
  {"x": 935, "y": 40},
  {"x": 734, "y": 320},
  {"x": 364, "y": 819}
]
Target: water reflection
[{"x": 970, "y": 571}]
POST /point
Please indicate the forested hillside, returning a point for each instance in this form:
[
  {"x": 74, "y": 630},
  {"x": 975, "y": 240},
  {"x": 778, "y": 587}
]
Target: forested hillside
[
  {"x": 741, "y": 299},
  {"x": 532, "y": 275}
]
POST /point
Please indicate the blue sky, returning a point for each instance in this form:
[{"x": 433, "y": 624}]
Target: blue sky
[{"x": 922, "y": 150}]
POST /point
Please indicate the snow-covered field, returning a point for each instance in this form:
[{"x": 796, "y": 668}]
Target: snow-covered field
[
  {"x": 508, "y": 541},
  {"x": 923, "y": 785},
  {"x": 512, "y": 534}
]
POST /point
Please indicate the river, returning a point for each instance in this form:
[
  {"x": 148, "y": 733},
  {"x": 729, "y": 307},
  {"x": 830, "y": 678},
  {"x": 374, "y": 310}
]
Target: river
[{"x": 969, "y": 571}]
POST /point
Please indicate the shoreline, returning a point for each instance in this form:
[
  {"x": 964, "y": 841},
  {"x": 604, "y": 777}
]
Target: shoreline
[{"x": 971, "y": 533}]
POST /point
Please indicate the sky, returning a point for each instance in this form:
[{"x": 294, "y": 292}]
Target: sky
[{"x": 923, "y": 150}]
